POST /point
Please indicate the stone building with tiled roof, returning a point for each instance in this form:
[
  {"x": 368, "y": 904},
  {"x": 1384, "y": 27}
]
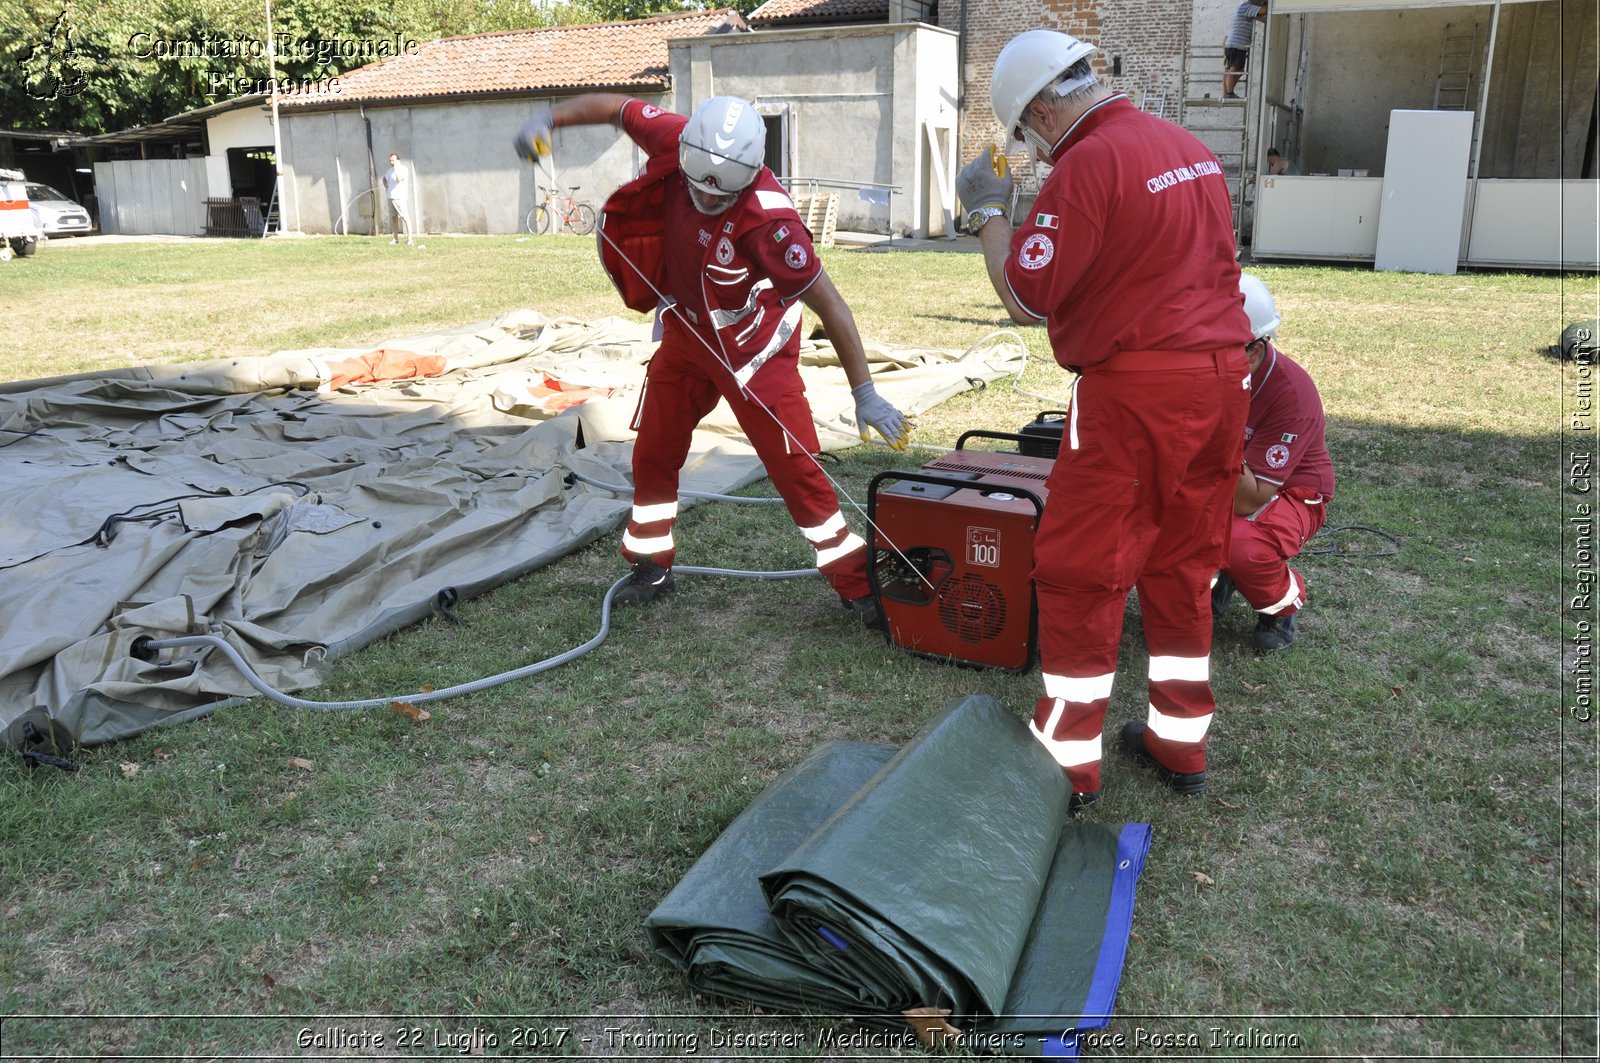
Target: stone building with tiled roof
[
  {"x": 787, "y": 14},
  {"x": 606, "y": 57},
  {"x": 450, "y": 109}
]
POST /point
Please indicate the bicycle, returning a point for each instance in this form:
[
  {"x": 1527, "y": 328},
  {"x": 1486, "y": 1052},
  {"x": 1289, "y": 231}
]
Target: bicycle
[{"x": 573, "y": 216}]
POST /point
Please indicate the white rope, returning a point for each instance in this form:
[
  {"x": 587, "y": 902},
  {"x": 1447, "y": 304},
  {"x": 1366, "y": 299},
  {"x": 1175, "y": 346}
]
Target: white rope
[{"x": 722, "y": 360}]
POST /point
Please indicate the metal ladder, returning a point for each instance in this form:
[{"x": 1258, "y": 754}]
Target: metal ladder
[
  {"x": 1222, "y": 125},
  {"x": 1153, "y": 100},
  {"x": 1453, "y": 89}
]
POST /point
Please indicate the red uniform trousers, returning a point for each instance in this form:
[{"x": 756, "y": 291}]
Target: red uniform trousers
[
  {"x": 680, "y": 389},
  {"x": 1140, "y": 497},
  {"x": 1263, "y": 543}
]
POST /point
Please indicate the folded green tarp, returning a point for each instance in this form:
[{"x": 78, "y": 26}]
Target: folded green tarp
[{"x": 866, "y": 882}]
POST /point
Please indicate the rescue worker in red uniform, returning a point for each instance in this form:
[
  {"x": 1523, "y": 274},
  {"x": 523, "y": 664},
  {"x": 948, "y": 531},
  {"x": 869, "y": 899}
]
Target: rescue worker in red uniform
[
  {"x": 706, "y": 237},
  {"x": 1286, "y": 485},
  {"x": 1128, "y": 256}
]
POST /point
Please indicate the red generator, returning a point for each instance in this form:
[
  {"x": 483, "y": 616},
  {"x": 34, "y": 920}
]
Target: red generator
[{"x": 952, "y": 550}]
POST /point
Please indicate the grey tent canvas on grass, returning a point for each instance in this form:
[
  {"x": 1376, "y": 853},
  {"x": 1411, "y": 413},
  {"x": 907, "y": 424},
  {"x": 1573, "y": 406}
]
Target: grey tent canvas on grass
[{"x": 307, "y": 503}]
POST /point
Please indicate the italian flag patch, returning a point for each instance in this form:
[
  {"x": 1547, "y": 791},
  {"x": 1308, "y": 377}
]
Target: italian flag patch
[{"x": 1045, "y": 221}]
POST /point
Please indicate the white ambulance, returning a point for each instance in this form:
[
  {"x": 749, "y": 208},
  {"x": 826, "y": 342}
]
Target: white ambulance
[{"x": 19, "y": 230}]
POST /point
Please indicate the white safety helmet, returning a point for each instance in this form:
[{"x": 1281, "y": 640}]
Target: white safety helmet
[
  {"x": 721, "y": 149},
  {"x": 1259, "y": 307},
  {"x": 1029, "y": 63}
]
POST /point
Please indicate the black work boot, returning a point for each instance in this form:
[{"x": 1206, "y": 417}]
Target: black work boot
[
  {"x": 641, "y": 588},
  {"x": 1188, "y": 783},
  {"x": 1221, "y": 594},
  {"x": 1273, "y": 633},
  {"x": 866, "y": 610}
]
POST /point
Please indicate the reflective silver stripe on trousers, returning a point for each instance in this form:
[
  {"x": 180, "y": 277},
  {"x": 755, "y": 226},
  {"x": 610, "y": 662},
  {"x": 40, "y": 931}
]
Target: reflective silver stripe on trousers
[
  {"x": 1177, "y": 728},
  {"x": 651, "y": 514},
  {"x": 851, "y": 544},
  {"x": 654, "y": 545},
  {"x": 1292, "y": 598},
  {"x": 1081, "y": 690},
  {"x": 821, "y": 533},
  {"x": 1069, "y": 753},
  {"x": 1072, "y": 419},
  {"x": 1187, "y": 669}
]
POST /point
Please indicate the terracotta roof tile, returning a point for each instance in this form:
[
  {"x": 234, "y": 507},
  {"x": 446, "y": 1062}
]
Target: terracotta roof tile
[
  {"x": 604, "y": 55},
  {"x": 777, "y": 13}
]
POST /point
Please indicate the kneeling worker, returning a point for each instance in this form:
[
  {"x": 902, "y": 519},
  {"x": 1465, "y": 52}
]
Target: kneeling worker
[
  {"x": 1285, "y": 486},
  {"x": 707, "y": 237}
]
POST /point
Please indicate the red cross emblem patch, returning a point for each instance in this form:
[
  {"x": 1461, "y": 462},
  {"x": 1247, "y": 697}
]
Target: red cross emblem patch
[{"x": 1036, "y": 251}]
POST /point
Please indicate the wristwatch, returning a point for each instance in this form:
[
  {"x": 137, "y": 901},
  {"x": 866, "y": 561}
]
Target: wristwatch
[{"x": 980, "y": 216}]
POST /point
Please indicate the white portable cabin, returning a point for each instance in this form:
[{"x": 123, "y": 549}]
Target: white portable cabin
[{"x": 1429, "y": 134}]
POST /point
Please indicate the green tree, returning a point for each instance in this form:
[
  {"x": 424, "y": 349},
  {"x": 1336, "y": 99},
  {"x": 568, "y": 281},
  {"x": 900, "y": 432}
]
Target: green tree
[
  {"x": 92, "y": 66},
  {"x": 618, "y": 10}
]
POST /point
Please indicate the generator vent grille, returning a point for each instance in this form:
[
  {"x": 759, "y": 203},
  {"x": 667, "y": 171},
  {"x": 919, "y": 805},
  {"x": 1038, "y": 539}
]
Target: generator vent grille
[{"x": 972, "y": 609}]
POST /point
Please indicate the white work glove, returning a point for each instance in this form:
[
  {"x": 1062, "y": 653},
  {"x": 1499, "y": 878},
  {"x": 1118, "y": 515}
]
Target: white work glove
[
  {"x": 874, "y": 411},
  {"x": 984, "y": 184},
  {"x": 532, "y": 141}
]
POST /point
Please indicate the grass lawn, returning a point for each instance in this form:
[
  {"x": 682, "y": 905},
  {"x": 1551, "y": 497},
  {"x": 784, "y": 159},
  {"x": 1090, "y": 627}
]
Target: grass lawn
[{"x": 1397, "y": 856}]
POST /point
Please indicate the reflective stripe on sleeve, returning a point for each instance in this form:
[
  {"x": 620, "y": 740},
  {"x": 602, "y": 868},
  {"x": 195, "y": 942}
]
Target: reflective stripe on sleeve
[
  {"x": 771, "y": 200},
  {"x": 1188, "y": 729},
  {"x": 1187, "y": 669}
]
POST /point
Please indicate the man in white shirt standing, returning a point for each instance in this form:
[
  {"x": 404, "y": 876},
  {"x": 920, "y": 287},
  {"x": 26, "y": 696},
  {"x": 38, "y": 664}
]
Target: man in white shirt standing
[{"x": 397, "y": 183}]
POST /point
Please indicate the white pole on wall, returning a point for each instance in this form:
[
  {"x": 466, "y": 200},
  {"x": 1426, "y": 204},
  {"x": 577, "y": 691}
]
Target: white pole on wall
[
  {"x": 277, "y": 139},
  {"x": 1479, "y": 123}
]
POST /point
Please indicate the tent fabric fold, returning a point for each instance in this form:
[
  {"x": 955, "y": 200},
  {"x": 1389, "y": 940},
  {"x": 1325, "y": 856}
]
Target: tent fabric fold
[
  {"x": 949, "y": 877},
  {"x": 302, "y": 513}
]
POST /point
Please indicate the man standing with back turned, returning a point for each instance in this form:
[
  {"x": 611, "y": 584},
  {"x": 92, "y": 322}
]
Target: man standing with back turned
[
  {"x": 707, "y": 237},
  {"x": 1128, "y": 257}
]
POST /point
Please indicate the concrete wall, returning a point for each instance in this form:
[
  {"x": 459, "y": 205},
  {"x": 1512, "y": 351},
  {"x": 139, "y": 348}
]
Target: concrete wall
[
  {"x": 144, "y": 196},
  {"x": 1542, "y": 99},
  {"x": 466, "y": 177},
  {"x": 857, "y": 98},
  {"x": 248, "y": 127},
  {"x": 1363, "y": 64}
]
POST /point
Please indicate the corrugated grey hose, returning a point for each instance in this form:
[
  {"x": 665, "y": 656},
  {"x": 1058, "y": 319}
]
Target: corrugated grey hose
[{"x": 145, "y": 647}]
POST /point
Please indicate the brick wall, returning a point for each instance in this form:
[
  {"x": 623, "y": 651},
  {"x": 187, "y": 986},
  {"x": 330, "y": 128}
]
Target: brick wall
[{"x": 1149, "y": 36}]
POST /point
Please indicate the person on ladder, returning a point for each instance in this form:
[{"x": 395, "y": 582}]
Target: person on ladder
[
  {"x": 707, "y": 237},
  {"x": 1236, "y": 48}
]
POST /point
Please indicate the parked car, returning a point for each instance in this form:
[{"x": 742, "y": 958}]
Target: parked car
[
  {"x": 56, "y": 214},
  {"x": 19, "y": 230}
]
